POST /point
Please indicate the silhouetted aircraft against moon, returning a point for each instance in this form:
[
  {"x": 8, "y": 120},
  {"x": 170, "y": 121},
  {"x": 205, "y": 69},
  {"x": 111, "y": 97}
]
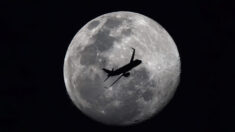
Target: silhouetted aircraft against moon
[
  {"x": 124, "y": 70},
  {"x": 103, "y": 42}
]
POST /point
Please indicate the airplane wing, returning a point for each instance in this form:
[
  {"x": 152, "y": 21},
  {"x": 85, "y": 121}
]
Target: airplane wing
[
  {"x": 133, "y": 54},
  {"x": 106, "y": 78},
  {"x": 116, "y": 80}
]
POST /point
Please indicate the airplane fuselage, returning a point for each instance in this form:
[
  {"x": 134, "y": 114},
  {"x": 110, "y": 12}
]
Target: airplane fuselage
[
  {"x": 123, "y": 71},
  {"x": 126, "y": 68}
]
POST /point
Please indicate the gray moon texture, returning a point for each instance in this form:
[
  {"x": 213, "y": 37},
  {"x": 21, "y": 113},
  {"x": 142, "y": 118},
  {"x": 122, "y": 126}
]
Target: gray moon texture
[{"x": 105, "y": 42}]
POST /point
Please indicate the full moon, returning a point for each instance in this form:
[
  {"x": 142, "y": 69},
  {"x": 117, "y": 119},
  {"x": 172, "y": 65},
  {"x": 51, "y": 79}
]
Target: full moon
[{"x": 106, "y": 42}]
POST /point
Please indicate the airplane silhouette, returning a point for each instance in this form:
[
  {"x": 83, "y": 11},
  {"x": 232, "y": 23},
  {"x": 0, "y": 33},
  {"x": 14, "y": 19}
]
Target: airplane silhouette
[{"x": 124, "y": 70}]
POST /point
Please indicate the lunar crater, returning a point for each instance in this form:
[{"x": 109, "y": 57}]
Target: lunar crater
[{"x": 93, "y": 24}]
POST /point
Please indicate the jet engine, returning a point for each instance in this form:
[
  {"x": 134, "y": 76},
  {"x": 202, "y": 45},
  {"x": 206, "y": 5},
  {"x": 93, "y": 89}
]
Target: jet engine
[{"x": 127, "y": 74}]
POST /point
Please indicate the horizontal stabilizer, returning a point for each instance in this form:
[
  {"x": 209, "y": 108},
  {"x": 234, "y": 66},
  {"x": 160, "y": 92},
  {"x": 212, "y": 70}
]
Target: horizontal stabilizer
[{"x": 106, "y": 70}]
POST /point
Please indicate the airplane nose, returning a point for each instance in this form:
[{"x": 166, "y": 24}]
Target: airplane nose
[{"x": 139, "y": 61}]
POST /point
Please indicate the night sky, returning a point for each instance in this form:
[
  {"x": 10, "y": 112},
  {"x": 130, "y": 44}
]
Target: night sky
[{"x": 35, "y": 37}]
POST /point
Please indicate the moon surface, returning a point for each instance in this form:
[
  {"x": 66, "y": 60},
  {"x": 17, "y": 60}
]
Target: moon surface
[{"x": 105, "y": 42}]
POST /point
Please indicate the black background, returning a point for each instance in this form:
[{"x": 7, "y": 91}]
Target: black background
[{"x": 35, "y": 37}]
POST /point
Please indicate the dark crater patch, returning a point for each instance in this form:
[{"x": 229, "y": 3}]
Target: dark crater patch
[
  {"x": 88, "y": 55},
  {"x": 90, "y": 89},
  {"x": 147, "y": 95},
  {"x": 102, "y": 43},
  {"x": 140, "y": 75},
  {"x": 141, "y": 80},
  {"x": 93, "y": 24},
  {"x": 126, "y": 32},
  {"x": 113, "y": 22}
]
